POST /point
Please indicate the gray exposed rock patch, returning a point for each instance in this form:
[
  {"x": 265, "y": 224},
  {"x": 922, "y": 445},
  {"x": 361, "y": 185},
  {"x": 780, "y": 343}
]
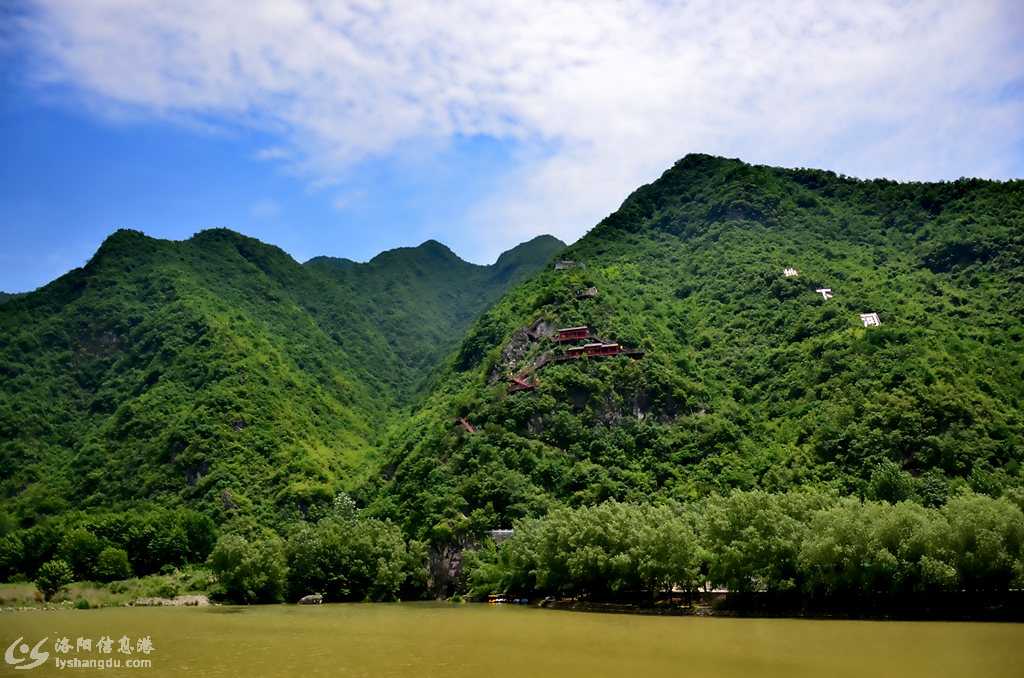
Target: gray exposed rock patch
[{"x": 176, "y": 601}]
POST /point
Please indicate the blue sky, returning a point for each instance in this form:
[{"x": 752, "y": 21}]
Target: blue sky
[
  {"x": 68, "y": 179},
  {"x": 345, "y": 129}
]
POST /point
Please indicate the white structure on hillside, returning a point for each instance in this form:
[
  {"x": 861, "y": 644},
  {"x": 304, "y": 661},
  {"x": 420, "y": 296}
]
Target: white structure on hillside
[
  {"x": 870, "y": 319},
  {"x": 790, "y": 272},
  {"x": 564, "y": 264},
  {"x": 500, "y": 535},
  {"x": 825, "y": 292}
]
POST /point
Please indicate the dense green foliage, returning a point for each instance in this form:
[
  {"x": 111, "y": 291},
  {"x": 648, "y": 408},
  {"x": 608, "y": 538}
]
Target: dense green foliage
[
  {"x": 608, "y": 547},
  {"x": 112, "y": 565},
  {"x": 343, "y": 557},
  {"x": 750, "y": 541},
  {"x": 219, "y": 373},
  {"x": 53, "y": 575},
  {"x": 754, "y": 537},
  {"x": 81, "y": 549},
  {"x": 423, "y": 299},
  {"x": 149, "y": 539},
  {"x": 750, "y": 379},
  {"x": 250, "y": 570},
  {"x": 347, "y": 559}
]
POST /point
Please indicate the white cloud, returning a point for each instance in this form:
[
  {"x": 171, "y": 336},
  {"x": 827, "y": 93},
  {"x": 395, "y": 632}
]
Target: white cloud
[
  {"x": 347, "y": 199},
  {"x": 906, "y": 89},
  {"x": 265, "y": 208},
  {"x": 273, "y": 153}
]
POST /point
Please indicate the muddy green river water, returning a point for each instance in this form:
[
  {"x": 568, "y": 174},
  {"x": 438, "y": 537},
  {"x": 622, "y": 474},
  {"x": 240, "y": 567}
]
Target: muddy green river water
[{"x": 408, "y": 640}]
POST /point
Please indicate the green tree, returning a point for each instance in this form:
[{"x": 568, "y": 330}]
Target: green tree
[
  {"x": 112, "y": 565},
  {"x": 869, "y": 547},
  {"x": 932, "y": 488},
  {"x": 985, "y": 541},
  {"x": 12, "y": 553},
  {"x": 344, "y": 507},
  {"x": 169, "y": 542},
  {"x": 753, "y": 539},
  {"x": 666, "y": 553},
  {"x": 40, "y": 543},
  {"x": 52, "y": 577},
  {"x": 347, "y": 560},
  {"x": 416, "y": 572},
  {"x": 250, "y": 570},
  {"x": 200, "y": 534},
  {"x": 890, "y": 483},
  {"x": 80, "y": 548},
  {"x": 594, "y": 550}
]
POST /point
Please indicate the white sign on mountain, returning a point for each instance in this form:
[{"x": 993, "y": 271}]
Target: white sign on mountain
[{"x": 870, "y": 319}]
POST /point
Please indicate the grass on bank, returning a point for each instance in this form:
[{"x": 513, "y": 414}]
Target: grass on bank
[{"x": 192, "y": 580}]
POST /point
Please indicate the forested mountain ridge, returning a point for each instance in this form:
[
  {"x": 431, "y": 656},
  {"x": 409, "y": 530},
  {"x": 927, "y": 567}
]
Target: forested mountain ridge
[
  {"x": 219, "y": 373},
  {"x": 170, "y": 393},
  {"x": 749, "y": 378},
  {"x": 423, "y": 298}
]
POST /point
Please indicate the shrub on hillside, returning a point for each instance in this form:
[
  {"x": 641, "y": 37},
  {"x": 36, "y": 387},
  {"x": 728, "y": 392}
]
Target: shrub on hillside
[
  {"x": 53, "y": 575},
  {"x": 112, "y": 565}
]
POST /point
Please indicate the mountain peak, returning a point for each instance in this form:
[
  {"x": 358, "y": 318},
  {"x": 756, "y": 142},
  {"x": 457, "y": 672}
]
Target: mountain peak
[
  {"x": 539, "y": 241},
  {"x": 437, "y": 249},
  {"x": 216, "y": 232},
  {"x": 428, "y": 251},
  {"x": 334, "y": 262},
  {"x": 124, "y": 242},
  {"x": 227, "y": 235},
  {"x": 121, "y": 237},
  {"x": 431, "y": 244},
  {"x": 542, "y": 247}
]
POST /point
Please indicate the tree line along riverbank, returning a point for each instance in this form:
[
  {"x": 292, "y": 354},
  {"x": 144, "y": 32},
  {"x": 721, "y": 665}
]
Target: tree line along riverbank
[
  {"x": 802, "y": 550},
  {"x": 801, "y": 545}
]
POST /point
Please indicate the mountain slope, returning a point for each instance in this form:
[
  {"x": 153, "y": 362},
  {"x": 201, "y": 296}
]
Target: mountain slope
[
  {"x": 424, "y": 298},
  {"x": 749, "y": 378},
  {"x": 215, "y": 371}
]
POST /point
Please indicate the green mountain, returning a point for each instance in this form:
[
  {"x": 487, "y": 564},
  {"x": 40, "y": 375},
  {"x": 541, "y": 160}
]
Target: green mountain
[
  {"x": 748, "y": 378},
  {"x": 423, "y": 299},
  {"x": 221, "y": 373}
]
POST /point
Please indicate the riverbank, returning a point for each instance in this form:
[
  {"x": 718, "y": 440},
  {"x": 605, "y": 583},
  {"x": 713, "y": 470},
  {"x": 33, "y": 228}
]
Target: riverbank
[
  {"x": 958, "y": 607},
  {"x": 186, "y": 587},
  {"x": 192, "y": 587},
  {"x": 917, "y": 607}
]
